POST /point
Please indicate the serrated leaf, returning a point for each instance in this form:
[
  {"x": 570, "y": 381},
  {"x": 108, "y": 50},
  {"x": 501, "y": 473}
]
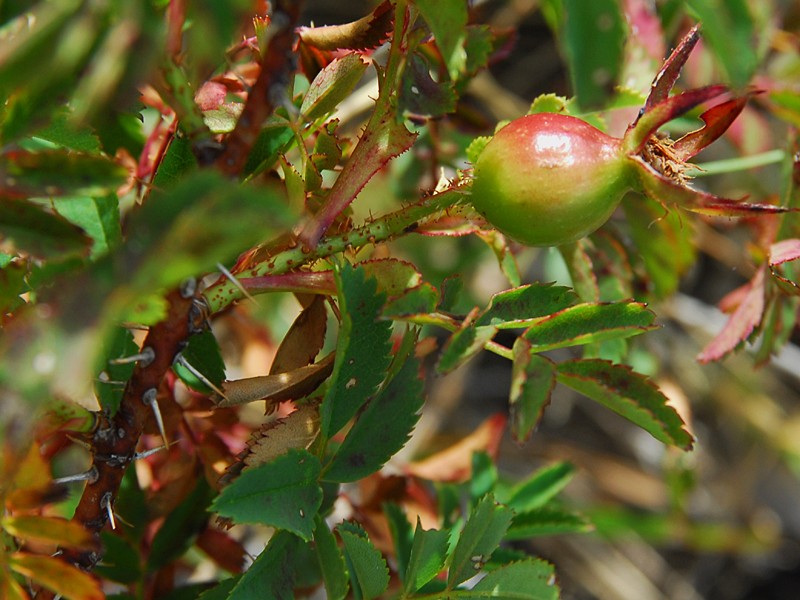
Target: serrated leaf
[
  {"x": 332, "y": 85},
  {"x": 465, "y": 343},
  {"x": 448, "y": 21},
  {"x": 98, "y": 217},
  {"x": 270, "y": 575},
  {"x": 382, "y": 428},
  {"x": 367, "y": 32},
  {"x": 56, "y": 575},
  {"x": 362, "y": 351},
  {"x": 221, "y": 591},
  {"x": 476, "y": 146},
  {"x": 30, "y": 228},
  {"x": 418, "y": 300},
  {"x": 179, "y": 530},
  {"x": 549, "y": 103},
  {"x": 541, "y": 487},
  {"x": 52, "y": 530},
  {"x": 402, "y": 536},
  {"x": 482, "y": 533},
  {"x": 741, "y": 324},
  {"x": 546, "y": 521},
  {"x": 269, "y": 145},
  {"x": 519, "y": 306},
  {"x": 331, "y": 561},
  {"x": 533, "y": 378},
  {"x": 284, "y": 493},
  {"x": 594, "y": 38},
  {"x": 369, "y": 575},
  {"x": 629, "y": 394},
  {"x": 428, "y": 556},
  {"x": 420, "y": 94},
  {"x": 204, "y": 355},
  {"x": 531, "y": 579},
  {"x": 109, "y": 384},
  {"x": 59, "y": 173},
  {"x": 62, "y": 130},
  {"x": 587, "y": 323},
  {"x": 393, "y": 276}
]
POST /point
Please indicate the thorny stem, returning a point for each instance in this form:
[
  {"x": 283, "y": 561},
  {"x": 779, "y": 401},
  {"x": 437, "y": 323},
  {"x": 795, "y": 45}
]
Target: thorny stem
[{"x": 225, "y": 292}]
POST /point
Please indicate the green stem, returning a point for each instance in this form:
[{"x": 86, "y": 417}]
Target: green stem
[
  {"x": 734, "y": 165},
  {"x": 225, "y": 291}
]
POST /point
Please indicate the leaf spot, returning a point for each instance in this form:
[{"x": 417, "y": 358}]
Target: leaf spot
[{"x": 351, "y": 384}]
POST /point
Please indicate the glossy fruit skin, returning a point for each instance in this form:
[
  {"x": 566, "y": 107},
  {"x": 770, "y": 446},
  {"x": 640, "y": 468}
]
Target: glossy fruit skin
[{"x": 549, "y": 179}]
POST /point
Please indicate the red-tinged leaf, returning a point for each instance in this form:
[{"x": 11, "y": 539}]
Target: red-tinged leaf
[
  {"x": 520, "y": 306},
  {"x": 53, "y": 530},
  {"x": 57, "y": 576},
  {"x": 741, "y": 323},
  {"x": 465, "y": 343},
  {"x": 382, "y": 140},
  {"x": 332, "y": 85},
  {"x": 455, "y": 462},
  {"x": 784, "y": 251},
  {"x": 533, "y": 378},
  {"x": 637, "y": 134},
  {"x": 669, "y": 192},
  {"x": 668, "y": 74},
  {"x": 393, "y": 276},
  {"x": 629, "y": 394},
  {"x": 415, "y": 302},
  {"x": 581, "y": 270},
  {"x": 717, "y": 119},
  {"x": 11, "y": 590},
  {"x": 368, "y": 32},
  {"x": 225, "y": 551},
  {"x": 304, "y": 340}
]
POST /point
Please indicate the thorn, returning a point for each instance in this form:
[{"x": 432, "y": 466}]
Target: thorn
[
  {"x": 180, "y": 360},
  {"x": 105, "y": 502},
  {"x": 237, "y": 284},
  {"x": 91, "y": 476},
  {"x": 188, "y": 287},
  {"x": 80, "y": 442},
  {"x": 145, "y": 357},
  {"x": 150, "y": 398},
  {"x": 146, "y": 453}
]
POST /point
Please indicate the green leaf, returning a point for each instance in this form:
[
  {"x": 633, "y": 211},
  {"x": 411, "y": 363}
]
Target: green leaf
[
  {"x": 179, "y": 530},
  {"x": 402, "y": 535},
  {"x": 270, "y": 575},
  {"x": 581, "y": 270},
  {"x": 269, "y": 145},
  {"x": 382, "y": 428},
  {"x": 485, "y": 527},
  {"x": 362, "y": 351},
  {"x": 628, "y": 393},
  {"x": 60, "y": 173},
  {"x": 587, "y": 323},
  {"x": 221, "y": 591},
  {"x": 519, "y": 306},
  {"x": 178, "y": 161},
  {"x": 541, "y": 487},
  {"x": 331, "y": 561},
  {"x": 110, "y": 382},
  {"x": 447, "y": 20},
  {"x": 121, "y": 561},
  {"x": 284, "y": 493},
  {"x": 464, "y": 344},
  {"x": 546, "y": 521},
  {"x": 204, "y": 355},
  {"x": 420, "y": 94},
  {"x": 32, "y": 229},
  {"x": 12, "y": 284},
  {"x": 369, "y": 575},
  {"x": 63, "y": 131},
  {"x": 594, "y": 38},
  {"x": 98, "y": 217},
  {"x": 484, "y": 475},
  {"x": 533, "y": 378},
  {"x": 730, "y": 30},
  {"x": 332, "y": 85},
  {"x": 532, "y": 579},
  {"x": 428, "y": 556},
  {"x": 418, "y": 300}
]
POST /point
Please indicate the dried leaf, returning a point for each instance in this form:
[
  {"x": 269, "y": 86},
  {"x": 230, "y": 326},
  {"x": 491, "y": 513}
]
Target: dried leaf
[
  {"x": 298, "y": 430},
  {"x": 52, "y": 530},
  {"x": 784, "y": 251},
  {"x": 671, "y": 70},
  {"x": 368, "y": 32},
  {"x": 304, "y": 340},
  {"x": 56, "y": 575}
]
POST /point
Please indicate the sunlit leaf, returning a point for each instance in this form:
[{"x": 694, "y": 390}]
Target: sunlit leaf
[
  {"x": 447, "y": 20},
  {"x": 541, "y": 487},
  {"x": 332, "y": 85},
  {"x": 28, "y": 227},
  {"x": 428, "y": 556},
  {"x": 519, "y": 306},
  {"x": 203, "y": 354},
  {"x": 367, "y": 32},
  {"x": 546, "y": 521},
  {"x": 54, "y": 530},
  {"x": 418, "y": 300},
  {"x": 629, "y": 394},
  {"x": 483, "y": 531},
  {"x": 465, "y": 343},
  {"x": 531, "y": 579},
  {"x": 98, "y": 217},
  {"x": 283, "y": 493},
  {"x": 363, "y": 349},
  {"x": 587, "y": 323},
  {"x": 57, "y": 575}
]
